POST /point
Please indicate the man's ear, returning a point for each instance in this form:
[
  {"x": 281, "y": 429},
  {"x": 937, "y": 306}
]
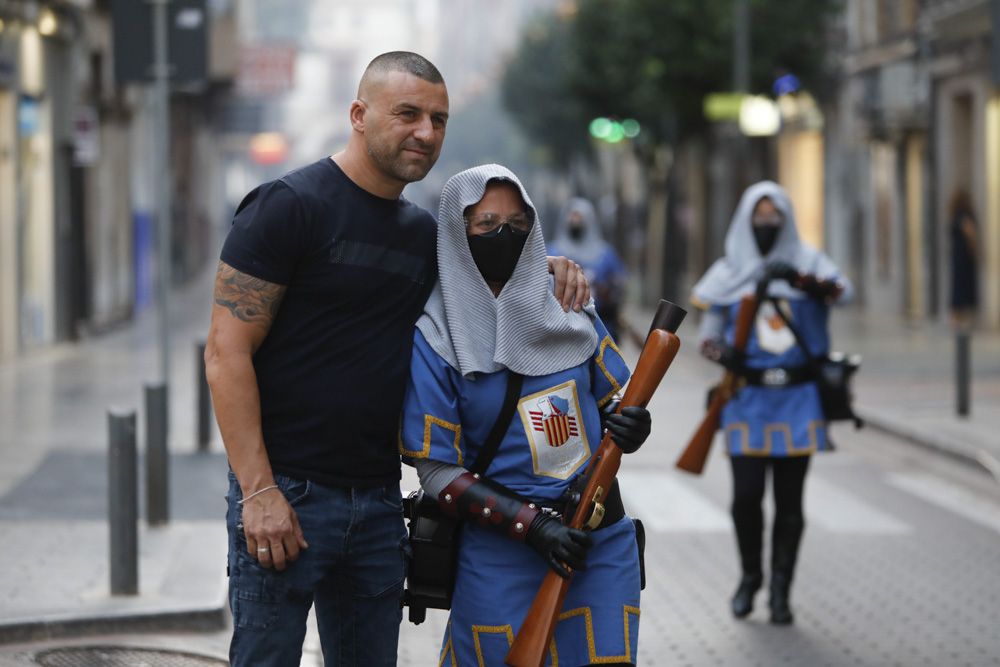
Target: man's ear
[{"x": 358, "y": 110}]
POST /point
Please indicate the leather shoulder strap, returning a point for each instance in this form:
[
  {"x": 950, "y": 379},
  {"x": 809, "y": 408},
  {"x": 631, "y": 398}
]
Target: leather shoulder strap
[
  {"x": 514, "y": 383},
  {"x": 795, "y": 331}
]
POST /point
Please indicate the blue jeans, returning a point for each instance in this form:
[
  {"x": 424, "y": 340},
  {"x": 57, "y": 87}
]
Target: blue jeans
[{"x": 353, "y": 571}]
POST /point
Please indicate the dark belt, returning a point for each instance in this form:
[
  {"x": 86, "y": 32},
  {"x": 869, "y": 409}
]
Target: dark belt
[
  {"x": 614, "y": 509},
  {"x": 778, "y": 376}
]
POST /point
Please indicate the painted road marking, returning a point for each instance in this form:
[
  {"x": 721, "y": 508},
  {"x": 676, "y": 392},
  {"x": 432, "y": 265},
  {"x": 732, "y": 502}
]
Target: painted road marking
[
  {"x": 948, "y": 496},
  {"x": 664, "y": 503}
]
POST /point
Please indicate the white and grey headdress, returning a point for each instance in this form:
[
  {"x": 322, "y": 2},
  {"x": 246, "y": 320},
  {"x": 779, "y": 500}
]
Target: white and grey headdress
[
  {"x": 525, "y": 328},
  {"x": 737, "y": 273}
]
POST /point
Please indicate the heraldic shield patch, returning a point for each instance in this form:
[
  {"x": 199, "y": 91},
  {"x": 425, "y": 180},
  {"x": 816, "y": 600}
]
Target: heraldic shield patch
[
  {"x": 773, "y": 335},
  {"x": 555, "y": 430}
]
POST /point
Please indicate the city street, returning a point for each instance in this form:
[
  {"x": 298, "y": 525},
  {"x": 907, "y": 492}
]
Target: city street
[
  {"x": 260, "y": 201},
  {"x": 899, "y": 565}
]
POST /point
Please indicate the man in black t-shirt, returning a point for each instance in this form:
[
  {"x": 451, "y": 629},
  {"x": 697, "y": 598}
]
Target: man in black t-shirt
[{"x": 320, "y": 283}]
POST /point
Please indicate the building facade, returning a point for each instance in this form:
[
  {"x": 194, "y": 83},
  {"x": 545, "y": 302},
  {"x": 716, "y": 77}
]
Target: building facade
[
  {"x": 916, "y": 117},
  {"x": 76, "y": 191}
]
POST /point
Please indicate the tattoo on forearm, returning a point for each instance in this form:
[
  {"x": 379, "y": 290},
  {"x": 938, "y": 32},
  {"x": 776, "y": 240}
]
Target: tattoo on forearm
[{"x": 247, "y": 298}]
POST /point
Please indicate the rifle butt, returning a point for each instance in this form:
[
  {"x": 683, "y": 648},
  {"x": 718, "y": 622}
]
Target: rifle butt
[
  {"x": 694, "y": 456},
  {"x": 535, "y": 636}
]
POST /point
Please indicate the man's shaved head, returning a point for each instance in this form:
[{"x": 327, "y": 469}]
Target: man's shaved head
[{"x": 398, "y": 61}]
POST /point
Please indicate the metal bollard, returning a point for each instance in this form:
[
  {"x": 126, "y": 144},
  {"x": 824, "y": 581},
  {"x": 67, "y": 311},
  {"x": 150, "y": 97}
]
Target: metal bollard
[
  {"x": 123, "y": 503},
  {"x": 963, "y": 374},
  {"x": 157, "y": 457},
  {"x": 204, "y": 397}
]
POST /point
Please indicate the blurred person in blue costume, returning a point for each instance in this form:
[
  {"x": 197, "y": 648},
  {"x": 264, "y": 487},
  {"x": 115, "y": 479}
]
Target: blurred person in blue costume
[
  {"x": 579, "y": 238},
  {"x": 775, "y": 420},
  {"x": 492, "y": 315}
]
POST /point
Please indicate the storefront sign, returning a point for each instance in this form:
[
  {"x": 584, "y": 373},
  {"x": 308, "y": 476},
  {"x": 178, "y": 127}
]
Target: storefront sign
[{"x": 27, "y": 116}]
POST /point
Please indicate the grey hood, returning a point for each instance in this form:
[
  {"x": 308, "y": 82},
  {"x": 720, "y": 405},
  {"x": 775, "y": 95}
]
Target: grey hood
[
  {"x": 737, "y": 273},
  {"x": 589, "y": 249},
  {"x": 524, "y": 329}
]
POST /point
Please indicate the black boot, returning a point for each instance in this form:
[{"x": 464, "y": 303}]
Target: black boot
[
  {"x": 781, "y": 612},
  {"x": 749, "y": 522},
  {"x": 784, "y": 551},
  {"x": 742, "y": 603}
]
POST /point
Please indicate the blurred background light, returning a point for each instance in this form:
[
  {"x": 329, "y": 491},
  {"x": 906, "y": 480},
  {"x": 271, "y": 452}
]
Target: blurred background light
[
  {"x": 785, "y": 84},
  {"x": 759, "y": 116},
  {"x": 268, "y": 148},
  {"x": 631, "y": 128},
  {"x": 722, "y": 106},
  {"x": 600, "y": 128},
  {"x": 47, "y": 23},
  {"x": 616, "y": 134}
]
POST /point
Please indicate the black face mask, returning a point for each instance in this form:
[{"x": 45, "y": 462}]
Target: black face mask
[
  {"x": 497, "y": 255},
  {"x": 766, "y": 236},
  {"x": 576, "y": 232}
]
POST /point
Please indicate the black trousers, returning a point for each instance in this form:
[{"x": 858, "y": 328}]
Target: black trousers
[{"x": 788, "y": 474}]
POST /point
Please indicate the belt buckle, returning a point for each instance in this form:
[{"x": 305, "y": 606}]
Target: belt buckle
[{"x": 774, "y": 377}]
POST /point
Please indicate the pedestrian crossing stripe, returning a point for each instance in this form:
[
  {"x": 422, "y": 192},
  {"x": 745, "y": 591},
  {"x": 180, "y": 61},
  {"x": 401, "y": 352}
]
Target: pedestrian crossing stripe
[
  {"x": 667, "y": 502},
  {"x": 949, "y": 497}
]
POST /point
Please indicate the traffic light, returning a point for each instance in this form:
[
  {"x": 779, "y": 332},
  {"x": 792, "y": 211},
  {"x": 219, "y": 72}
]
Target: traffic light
[{"x": 613, "y": 131}]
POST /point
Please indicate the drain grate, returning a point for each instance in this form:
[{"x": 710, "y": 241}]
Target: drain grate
[{"x": 121, "y": 656}]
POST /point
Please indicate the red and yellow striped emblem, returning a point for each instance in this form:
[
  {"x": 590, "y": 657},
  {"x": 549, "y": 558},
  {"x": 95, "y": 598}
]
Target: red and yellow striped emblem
[{"x": 556, "y": 429}]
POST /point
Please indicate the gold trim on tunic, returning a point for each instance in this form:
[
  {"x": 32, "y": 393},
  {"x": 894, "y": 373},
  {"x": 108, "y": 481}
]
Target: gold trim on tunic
[
  {"x": 588, "y": 619},
  {"x": 615, "y": 386},
  {"x": 429, "y": 421},
  {"x": 490, "y": 629}
]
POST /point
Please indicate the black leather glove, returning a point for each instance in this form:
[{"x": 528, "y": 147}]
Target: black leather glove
[
  {"x": 778, "y": 270},
  {"x": 726, "y": 355},
  {"x": 819, "y": 289},
  {"x": 630, "y": 428},
  {"x": 494, "y": 506},
  {"x": 559, "y": 544}
]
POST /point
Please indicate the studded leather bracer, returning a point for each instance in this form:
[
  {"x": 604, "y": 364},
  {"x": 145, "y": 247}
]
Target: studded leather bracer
[{"x": 473, "y": 498}]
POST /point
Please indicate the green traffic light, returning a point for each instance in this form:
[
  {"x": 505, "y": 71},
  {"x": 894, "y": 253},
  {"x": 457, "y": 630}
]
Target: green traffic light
[
  {"x": 600, "y": 128},
  {"x": 631, "y": 128},
  {"x": 616, "y": 134}
]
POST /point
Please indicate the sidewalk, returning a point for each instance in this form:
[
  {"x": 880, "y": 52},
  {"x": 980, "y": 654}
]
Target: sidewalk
[
  {"x": 53, "y": 486},
  {"x": 906, "y": 385},
  {"x": 53, "y": 503}
]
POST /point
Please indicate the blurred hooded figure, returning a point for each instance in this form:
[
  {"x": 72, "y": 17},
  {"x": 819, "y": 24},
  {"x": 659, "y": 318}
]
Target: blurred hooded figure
[
  {"x": 775, "y": 419},
  {"x": 490, "y": 323},
  {"x": 579, "y": 238}
]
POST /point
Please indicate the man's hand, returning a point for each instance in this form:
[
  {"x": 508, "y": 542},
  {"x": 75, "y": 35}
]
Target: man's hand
[
  {"x": 272, "y": 530},
  {"x": 571, "y": 289}
]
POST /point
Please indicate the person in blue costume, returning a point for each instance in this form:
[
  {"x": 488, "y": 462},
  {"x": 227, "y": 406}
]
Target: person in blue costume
[
  {"x": 492, "y": 315},
  {"x": 579, "y": 238},
  {"x": 775, "y": 420}
]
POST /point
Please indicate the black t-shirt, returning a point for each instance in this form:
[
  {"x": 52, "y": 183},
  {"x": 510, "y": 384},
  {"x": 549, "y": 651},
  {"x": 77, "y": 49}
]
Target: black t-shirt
[{"x": 333, "y": 368}]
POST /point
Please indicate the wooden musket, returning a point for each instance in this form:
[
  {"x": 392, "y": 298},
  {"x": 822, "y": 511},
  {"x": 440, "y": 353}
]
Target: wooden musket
[
  {"x": 535, "y": 635},
  {"x": 693, "y": 458}
]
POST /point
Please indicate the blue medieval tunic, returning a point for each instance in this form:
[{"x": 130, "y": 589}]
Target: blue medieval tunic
[
  {"x": 778, "y": 421},
  {"x": 552, "y": 436}
]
